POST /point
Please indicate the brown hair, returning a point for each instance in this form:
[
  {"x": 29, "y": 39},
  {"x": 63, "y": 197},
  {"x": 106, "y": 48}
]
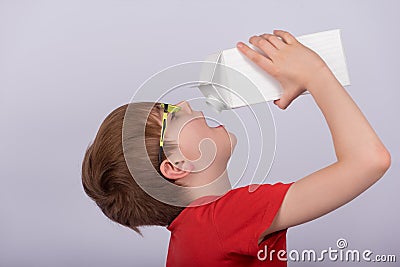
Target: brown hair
[{"x": 107, "y": 179}]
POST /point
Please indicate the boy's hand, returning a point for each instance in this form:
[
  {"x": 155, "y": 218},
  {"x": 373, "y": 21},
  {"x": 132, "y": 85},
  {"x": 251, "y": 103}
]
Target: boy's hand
[{"x": 287, "y": 60}]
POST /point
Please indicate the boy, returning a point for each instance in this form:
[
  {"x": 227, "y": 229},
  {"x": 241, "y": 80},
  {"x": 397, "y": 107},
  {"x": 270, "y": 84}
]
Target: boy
[{"x": 220, "y": 228}]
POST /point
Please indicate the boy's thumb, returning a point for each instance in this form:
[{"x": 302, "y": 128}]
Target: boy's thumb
[
  {"x": 283, "y": 102},
  {"x": 286, "y": 98}
]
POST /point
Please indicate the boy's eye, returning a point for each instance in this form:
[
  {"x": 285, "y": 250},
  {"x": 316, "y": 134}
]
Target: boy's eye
[{"x": 172, "y": 116}]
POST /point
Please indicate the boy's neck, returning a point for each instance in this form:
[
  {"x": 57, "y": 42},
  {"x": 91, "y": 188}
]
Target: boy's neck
[{"x": 209, "y": 182}]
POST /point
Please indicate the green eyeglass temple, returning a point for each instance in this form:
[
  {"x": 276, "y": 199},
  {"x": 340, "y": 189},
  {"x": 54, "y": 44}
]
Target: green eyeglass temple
[{"x": 168, "y": 108}]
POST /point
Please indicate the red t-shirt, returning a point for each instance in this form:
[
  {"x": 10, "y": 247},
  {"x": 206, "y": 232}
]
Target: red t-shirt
[{"x": 225, "y": 232}]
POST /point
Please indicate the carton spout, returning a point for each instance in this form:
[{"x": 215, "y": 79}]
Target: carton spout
[{"x": 215, "y": 103}]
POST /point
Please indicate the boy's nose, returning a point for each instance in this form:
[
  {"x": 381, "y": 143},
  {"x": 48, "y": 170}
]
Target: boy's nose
[{"x": 185, "y": 106}]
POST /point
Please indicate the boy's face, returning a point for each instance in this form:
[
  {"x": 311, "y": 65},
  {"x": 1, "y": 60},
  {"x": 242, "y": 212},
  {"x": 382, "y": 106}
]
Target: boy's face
[{"x": 199, "y": 143}]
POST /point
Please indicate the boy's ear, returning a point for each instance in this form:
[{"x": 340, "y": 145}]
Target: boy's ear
[{"x": 177, "y": 170}]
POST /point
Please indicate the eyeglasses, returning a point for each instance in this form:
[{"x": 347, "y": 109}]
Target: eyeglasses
[{"x": 168, "y": 108}]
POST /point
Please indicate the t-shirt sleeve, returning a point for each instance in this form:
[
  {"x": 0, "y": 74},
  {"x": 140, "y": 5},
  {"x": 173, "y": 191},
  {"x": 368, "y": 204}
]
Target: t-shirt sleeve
[{"x": 240, "y": 217}]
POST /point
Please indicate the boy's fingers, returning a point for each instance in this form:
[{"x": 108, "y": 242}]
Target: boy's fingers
[
  {"x": 264, "y": 45},
  {"x": 262, "y": 61},
  {"x": 274, "y": 40},
  {"x": 286, "y": 36}
]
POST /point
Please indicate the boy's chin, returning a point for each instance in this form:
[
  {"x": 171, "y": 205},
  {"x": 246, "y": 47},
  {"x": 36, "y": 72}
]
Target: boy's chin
[{"x": 232, "y": 141}]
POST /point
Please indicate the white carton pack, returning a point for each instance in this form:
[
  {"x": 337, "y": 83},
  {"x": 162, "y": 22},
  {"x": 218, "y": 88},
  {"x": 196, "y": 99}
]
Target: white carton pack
[{"x": 242, "y": 82}]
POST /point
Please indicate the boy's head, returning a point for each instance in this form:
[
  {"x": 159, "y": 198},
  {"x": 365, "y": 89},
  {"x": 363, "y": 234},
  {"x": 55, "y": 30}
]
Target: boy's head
[
  {"x": 121, "y": 170},
  {"x": 198, "y": 149}
]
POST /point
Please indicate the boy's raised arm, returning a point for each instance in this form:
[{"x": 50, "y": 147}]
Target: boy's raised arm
[{"x": 361, "y": 157}]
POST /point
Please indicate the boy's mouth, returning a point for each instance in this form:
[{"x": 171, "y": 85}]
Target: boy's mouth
[{"x": 202, "y": 117}]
